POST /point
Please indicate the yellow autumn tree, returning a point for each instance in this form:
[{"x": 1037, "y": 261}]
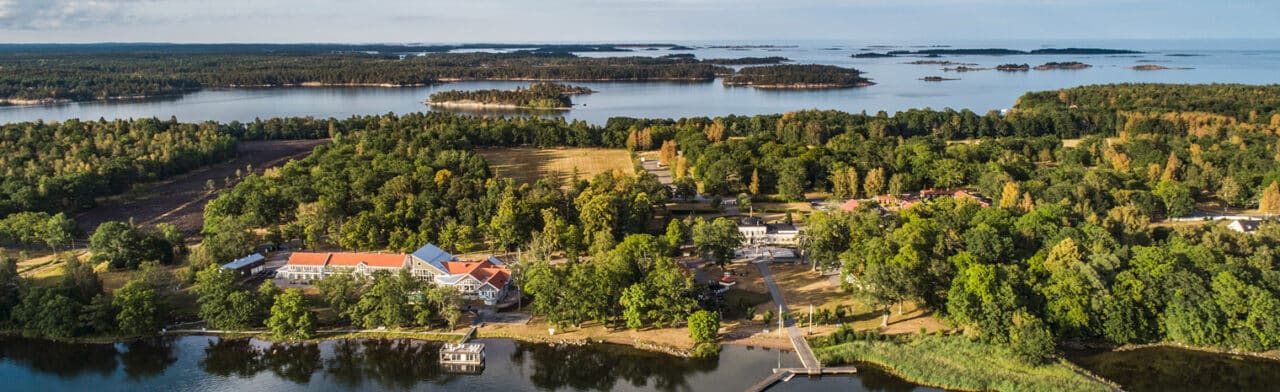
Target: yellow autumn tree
[
  {"x": 1009, "y": 196},
  {"x": 1172, "y": 168},
  {"x": 1270, "y": 202},
  {"x": 873, "y": 184},
  {"x": 754, "y": 187}
]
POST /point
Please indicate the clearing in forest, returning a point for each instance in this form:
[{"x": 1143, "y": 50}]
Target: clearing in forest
[{"x": 527, "y": 164}]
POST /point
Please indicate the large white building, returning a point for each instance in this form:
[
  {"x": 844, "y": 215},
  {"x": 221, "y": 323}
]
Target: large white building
[
  {"x": 756, "y": 232},
  {"x": 486, "y": 280}
]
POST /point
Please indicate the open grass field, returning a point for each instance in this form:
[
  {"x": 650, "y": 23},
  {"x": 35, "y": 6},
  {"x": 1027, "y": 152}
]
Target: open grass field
[{"x": 527, "y": 165}]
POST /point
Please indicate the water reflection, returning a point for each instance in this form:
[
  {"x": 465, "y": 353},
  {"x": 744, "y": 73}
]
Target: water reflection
[
  {"x": 392, "y": 364},
  {"x": 60, "y": 359},
  {"x": 1176, "y": 369},
  {"x": 600, "y": 367},
  {"x": 373, "y": 365},
  {"x": 147, "y": 357}
]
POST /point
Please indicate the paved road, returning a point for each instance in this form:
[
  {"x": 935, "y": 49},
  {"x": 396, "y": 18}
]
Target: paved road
[{"x": 801, "y": 345}]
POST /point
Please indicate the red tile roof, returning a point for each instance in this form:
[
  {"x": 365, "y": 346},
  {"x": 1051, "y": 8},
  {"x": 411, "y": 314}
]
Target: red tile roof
[
  {"x": 308, "y": 258},
  {"x": 483, "y": 271},
  {"x": 392, "y": 260},
  {"x": 381, "y": 260}
]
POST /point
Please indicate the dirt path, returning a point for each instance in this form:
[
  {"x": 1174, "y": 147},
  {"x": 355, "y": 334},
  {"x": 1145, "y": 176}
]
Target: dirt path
[{"x": 180, "y": 200}]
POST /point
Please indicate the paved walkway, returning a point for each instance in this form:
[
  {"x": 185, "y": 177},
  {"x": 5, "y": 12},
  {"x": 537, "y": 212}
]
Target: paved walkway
[{"x": 801, "y": 345}]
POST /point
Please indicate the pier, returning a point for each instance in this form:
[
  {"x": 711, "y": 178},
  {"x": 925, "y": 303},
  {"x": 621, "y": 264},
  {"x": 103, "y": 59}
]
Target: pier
[{"x": 810, "y": 362}]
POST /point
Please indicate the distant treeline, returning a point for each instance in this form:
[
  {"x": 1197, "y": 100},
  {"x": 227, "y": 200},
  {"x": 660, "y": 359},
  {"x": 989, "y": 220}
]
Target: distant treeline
[
  {"x": 1248, "y": 103},
  {"x": 224, "y": 48},
  {"x": 797, "y": 76},
  {"x": 992, "y": 52},
  {"x": 62, "y": 76},
  {"x": 538, "y": 96}
]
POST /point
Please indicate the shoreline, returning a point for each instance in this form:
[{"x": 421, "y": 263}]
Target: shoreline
[
  {"x": 486, "y": 105},
  {"x": 799, "y": 86}
]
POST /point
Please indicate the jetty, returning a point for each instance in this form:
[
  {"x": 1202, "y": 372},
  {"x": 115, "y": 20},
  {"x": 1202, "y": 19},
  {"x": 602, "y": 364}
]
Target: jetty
[{"x": 812, "y": 367}]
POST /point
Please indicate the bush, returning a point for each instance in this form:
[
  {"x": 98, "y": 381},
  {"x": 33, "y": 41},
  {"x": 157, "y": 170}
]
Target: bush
[
  {"x": 706, "y": 350},
  {"x": 704, "y": 326}
]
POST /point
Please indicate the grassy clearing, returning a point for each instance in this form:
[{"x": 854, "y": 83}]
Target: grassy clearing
[
  {"x": 954, "y": 362},
  {"x": 527, "y": 165}
]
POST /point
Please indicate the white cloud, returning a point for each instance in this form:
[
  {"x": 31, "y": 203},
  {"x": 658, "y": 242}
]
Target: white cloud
[{"x": 64, "y": 14}]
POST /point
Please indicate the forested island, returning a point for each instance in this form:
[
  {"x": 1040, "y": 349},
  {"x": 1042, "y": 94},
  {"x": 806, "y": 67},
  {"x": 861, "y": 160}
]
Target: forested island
[
  {"x": 46, "y": 77},
  {"x": 542, "y": 95},
  {"x": 797, "y": 76},
  {"x": 1069, "y": 65},
  {"x": 1064, "y": 253},
  {"x": 748, "y": 60},
  {"x": 1013, "y": 67}
]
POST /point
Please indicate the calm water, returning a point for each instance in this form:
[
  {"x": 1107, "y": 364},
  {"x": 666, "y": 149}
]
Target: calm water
[
  {"x": 897, "y": 88},
  {"x": 200, "y": 363},
  {"x": 1175, "y": 370}
]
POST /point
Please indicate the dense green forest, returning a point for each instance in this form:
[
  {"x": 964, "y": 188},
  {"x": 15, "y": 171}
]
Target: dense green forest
[
  {"x": 1012, "y": 271},
  {"x": 796, "y": 76},
  {"x": 1246, "y": 103},
  {"x": 543, "y": 95},
  {"x": 1066, "y": 250},
  {"x": 64, "y": 166},
  {"x": 36, "y": 76}
]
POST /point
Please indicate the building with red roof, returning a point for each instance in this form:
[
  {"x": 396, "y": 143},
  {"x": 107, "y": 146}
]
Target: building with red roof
[{"x": 486, "y": 280}]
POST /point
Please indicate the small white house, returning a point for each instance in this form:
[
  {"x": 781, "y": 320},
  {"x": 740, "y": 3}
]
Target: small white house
[{"x": 1244, "y": 226}]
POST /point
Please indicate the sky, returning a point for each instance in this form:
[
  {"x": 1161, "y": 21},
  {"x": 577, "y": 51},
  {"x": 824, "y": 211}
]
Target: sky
[{"x": 435, "y": 21}]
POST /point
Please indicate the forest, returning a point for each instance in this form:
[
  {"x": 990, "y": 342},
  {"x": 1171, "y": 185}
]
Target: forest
[
  {"x": 78, "y": 77},
  {"x": 541, "y": 95},
  {"x": 797, "y": 76},
  {"x": 1075, "y": 178},
  {"x": 64, "y": 166}
]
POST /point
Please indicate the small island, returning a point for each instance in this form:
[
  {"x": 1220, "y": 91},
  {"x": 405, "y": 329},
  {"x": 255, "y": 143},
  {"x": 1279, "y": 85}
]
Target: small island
[
  {"x": 936, "y": 79},
  {"x": 939, "y": 62},
  {"x": 963, "y": 68},
  {"x": 1013, "y": 67},
  {"x": 871, "y": 55},
  {"x": 797, "y": 76},
  {"x": 1070, "y": 65},
  {"x": 748, "y": 60},
  {"x": 1154, "y": 67},
  {"x": 537, "y": 96}
]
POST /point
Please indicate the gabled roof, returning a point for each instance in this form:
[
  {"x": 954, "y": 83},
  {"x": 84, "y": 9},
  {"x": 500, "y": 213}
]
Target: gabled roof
[
  {"x": 433, "y": 256},
  {"x": 485, "y": 272},
  {"x": 244, "y": 261},
  {"x": 308, "y": 258},
  {"x": 380, "y": 260}
]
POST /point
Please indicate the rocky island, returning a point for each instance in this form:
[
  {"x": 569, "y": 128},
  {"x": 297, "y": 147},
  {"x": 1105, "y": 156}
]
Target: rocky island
[
  {"x": 537, "y": 96},
  {"x": 797, "y": 76},
  {"x": 1013, "y": 67},
  {"x": 1154, "y": 67}
]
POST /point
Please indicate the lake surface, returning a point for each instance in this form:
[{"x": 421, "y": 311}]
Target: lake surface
[
  {"x": 204, "y": 363},
  {"x": 898, "y": 86},
  {"x": 1174, "y": 369}
]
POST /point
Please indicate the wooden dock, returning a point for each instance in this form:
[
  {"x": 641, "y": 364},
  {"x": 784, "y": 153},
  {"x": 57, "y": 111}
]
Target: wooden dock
[{"x": 786, "y": 374}]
